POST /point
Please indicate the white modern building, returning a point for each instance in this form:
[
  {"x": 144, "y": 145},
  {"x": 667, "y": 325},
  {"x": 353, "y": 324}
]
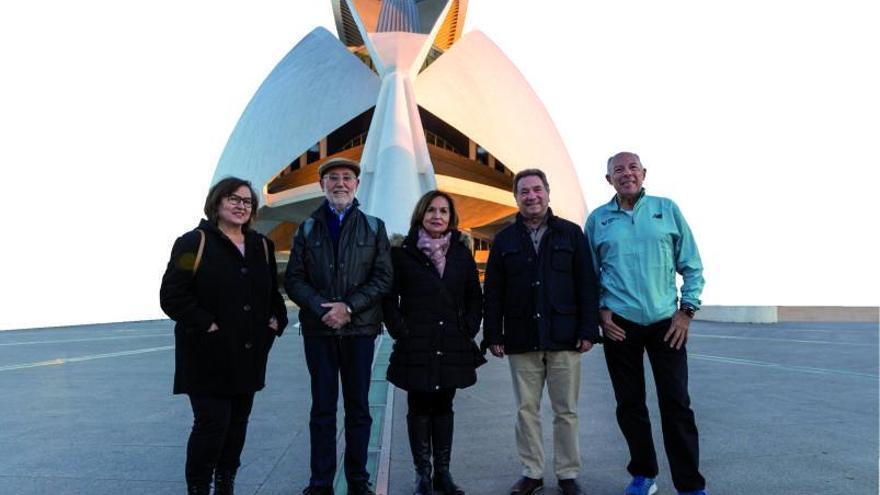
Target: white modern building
[{"x": 418, "y": 103}]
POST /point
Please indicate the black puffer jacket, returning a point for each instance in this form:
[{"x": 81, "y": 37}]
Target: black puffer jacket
[
  {"x": 239, "y": 294},
  {"x": 359, "y": 274},
  {"x": 433, "y": 319},
  {"x": 540, "y": 301}
]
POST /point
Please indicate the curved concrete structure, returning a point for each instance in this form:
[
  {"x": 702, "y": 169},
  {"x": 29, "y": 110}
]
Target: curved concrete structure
[
  {"x": 475, "y": 88},
  {"x": 429, "y": 13},
  {"x": 317, "y": 87},
  {"x": 419, "y": 105}
]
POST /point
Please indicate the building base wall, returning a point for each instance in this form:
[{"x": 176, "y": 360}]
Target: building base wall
[{"x": 775, "y": 314}]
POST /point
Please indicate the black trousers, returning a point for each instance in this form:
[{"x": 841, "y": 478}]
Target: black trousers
[
  {"x": 435, "y": 403},
  {"x": 218, "y": 434},
  {"x": 331, "y": 360},
  {"x": 626, "y": 367}
]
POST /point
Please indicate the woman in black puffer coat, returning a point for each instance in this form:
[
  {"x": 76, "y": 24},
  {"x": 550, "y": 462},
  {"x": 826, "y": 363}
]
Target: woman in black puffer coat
[
  {"x": 433, "y": 312},
  {"x": 221, "y": 289}
]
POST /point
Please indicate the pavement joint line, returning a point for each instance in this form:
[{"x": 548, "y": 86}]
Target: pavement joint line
[
  {"x": 767, "y": 364},
  {"x": 88, "y": 478},
  {"x": 93, "y": 339},
  {"x": 340, "y": 435},
  {"x": 79, "y": 359},
  {"x": 276, "y": 464},
  {"x": 383, "y": 470},
  {"x": 771, "y": 339}
]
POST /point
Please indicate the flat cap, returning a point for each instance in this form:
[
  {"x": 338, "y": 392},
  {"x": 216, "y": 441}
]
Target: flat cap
[{"x": 339, "y": 162}]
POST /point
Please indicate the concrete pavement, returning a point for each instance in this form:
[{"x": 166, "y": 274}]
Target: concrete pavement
[{"x": 781, "y": 408}]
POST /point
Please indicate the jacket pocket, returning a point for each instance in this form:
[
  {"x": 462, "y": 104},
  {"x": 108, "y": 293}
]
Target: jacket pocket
[
  {"x": 211, "y": 353},
  {"x": 564, "y": 321},
  {"x": 366, "y": 250},
  {"x": 513, "y": 260},
  {"x": 561, "y": 258}
]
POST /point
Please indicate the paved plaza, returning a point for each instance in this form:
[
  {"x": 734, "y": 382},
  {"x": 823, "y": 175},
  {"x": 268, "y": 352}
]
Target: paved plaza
[{"x": 781, "y": 408}]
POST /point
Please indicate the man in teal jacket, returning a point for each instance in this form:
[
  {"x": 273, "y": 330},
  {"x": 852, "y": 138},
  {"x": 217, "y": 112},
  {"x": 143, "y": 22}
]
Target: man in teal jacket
[{"x": 639, "y": 243}]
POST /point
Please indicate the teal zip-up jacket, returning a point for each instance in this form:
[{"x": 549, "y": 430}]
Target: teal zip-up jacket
[{"x": 637, "y": 256}]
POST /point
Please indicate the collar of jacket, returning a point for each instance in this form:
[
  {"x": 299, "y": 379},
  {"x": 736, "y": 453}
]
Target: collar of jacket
[
  {"x": 551, "y": 220},
  {"x": 616, "y": 206},
  {"x": 207, "y": 226},
  {"x": 318, "y": 214}
]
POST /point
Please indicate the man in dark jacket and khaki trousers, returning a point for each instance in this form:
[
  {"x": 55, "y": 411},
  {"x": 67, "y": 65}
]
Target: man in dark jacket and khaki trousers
[
  {"x": 339, "y": 270},
  {"x": 541, "y": 310}
]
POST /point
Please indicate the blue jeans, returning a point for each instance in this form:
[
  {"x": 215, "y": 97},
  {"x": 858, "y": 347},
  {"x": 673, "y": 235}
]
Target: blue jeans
[{"x": 328, "y": 359}]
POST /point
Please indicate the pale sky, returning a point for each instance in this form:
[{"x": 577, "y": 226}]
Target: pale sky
[{"x": 759, "y": 119}]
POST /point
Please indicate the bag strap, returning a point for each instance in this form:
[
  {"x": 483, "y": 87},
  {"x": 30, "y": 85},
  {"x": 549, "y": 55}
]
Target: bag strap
[
  {"x": 200, "y": 251},
  {"x": 307, "y": 226},
  {"x": 373, "y": 223}
]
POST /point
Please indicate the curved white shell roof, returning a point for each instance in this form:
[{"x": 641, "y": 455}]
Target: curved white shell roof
[
  {"x": 316, "y": 88},
  {"x": 475, "y": 88}
]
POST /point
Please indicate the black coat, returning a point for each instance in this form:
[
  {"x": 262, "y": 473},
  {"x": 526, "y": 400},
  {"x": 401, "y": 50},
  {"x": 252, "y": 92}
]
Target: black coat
[
  {"x": 540, "y": 301},
  {"x": 433, "y": 319},
  {"x": 239, "y": 294},
  {"x": 358, "y": 275}
]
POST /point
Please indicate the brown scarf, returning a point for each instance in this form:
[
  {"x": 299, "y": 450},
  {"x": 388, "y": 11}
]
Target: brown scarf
[{"x": 435, "y": 249}]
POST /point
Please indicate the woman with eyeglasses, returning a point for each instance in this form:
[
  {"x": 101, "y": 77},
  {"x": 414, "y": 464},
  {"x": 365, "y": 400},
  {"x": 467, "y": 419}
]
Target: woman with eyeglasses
[
  {"x": 221, "y": 289},
  {"x": 433, "y": 313}
]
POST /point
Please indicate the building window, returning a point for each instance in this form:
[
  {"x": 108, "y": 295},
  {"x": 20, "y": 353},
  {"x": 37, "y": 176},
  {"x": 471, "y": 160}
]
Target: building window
[
  {"x": 482, "y": 155},
  {"x": 314, "y": 153}
]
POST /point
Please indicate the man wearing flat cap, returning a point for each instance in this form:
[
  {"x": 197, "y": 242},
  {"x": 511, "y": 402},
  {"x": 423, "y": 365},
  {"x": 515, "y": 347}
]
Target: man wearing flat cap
[{"x": 339, "y": 269}]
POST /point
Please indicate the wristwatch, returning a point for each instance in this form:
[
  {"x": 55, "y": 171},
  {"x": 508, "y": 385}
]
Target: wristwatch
[{"x": 688, "y": 310}]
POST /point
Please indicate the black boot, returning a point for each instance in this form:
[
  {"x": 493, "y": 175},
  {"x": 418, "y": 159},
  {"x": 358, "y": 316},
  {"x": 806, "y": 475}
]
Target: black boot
[
  {"x": 420, "y": 443},
  {"x": 224, "y": 482},
  {"x": 441, "y": 436},
  {"x": 194, "y": 488}
]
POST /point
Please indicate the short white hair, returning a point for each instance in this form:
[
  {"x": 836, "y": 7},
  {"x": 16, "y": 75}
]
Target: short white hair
[{"x": 618, "y": 155}]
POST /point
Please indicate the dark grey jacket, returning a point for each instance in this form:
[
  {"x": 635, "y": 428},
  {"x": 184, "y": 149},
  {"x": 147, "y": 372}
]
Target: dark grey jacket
[
  {"x": 360, "y": 274},
  {"x": 540, "y": 301}
]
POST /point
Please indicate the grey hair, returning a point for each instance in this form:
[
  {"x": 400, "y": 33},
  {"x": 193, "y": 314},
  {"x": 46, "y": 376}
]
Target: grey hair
[
  {"x": 618, "y": 154},
  {"x": 529, "y": 172}
]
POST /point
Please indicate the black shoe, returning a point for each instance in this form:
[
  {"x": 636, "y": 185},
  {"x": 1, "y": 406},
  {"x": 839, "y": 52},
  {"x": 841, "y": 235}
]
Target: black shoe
[
  {"x": 318, "y": 490},
  {"x": 570, "y": 487},
  {"x": 526, "y": 486},
  {"x": 441, "y": 438},
  {"x": 419, "y": 428},
  {"x": 224, "y": 482},
  {"x": 360, "y": 488}
]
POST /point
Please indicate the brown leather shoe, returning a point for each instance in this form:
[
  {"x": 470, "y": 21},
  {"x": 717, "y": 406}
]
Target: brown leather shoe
[
  {"x": 526, "y": 486},
  {"x": 570, "y": 487}
]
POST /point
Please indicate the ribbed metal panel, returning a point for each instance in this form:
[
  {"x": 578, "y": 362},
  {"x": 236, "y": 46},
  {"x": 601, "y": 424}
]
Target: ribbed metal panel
[
  {"x": 352, "y": 35},
  {"x": 399, "y": 16}
]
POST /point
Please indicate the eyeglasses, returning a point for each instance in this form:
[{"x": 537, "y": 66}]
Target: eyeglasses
[
  {"x": 236, "y": 200},
  {"x": 340, "y": 178}
]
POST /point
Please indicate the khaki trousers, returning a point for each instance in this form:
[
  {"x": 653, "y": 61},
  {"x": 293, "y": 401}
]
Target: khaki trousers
[{"x": 562, "y": 372}]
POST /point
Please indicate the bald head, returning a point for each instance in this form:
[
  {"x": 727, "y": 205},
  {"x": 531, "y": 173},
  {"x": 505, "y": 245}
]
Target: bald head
[
  {"x": 625, "y": 158},
  {"x": 626, "y": 174}
]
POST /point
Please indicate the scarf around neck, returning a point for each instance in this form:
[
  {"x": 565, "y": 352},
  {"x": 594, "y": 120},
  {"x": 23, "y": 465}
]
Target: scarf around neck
[{"x": 435, "y": 249}]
